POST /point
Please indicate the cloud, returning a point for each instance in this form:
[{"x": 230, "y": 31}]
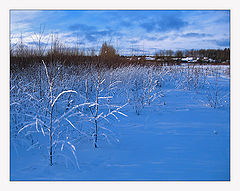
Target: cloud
[
  {"x": 224, "y": 17},
  {"x": 133, "y": 41},
  {"x": 153, "y": 38},
  {"x": 196, "y": 35},
  {"x": 93, "y": 33},
  {"x": 125, "y": 24},
  {"x": 135, "y": 50},
  {"x": 151, "y": 28},
  {"x": 23, "y": 20},
  {"x": 164, "y": 24},
  {"x": 81, "y": 27},
  {"x": 223, "y": 43},
  {"x": 92, "y": 36},
  {"x": 21, "y": 16}
]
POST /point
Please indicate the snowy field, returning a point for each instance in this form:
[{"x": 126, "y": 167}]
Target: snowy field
[{"x": 130, "y": 123}]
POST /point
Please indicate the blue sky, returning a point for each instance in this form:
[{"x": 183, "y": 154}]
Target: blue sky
[{"x": 130, "y": 31}]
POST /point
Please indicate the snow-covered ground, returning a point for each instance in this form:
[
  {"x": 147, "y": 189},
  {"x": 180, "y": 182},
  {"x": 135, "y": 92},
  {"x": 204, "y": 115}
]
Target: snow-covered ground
[{"x": 177, "y": 128}]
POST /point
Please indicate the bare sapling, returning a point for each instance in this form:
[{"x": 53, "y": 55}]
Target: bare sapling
[
  {"x": 99, "y": 104},
  {"x": 214, "y": 99},
  {"x": 40, "y": 49},
  {"x": 151, "y": 88},
  {"x": 52, "y": 104},
  {"x": 96, "y": 110}
]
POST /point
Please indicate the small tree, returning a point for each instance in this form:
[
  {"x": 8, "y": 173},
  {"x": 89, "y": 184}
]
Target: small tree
[
  {"x": 99, "y": 102},
  {"x": 107, "y": 50},
  {"x": 108, "y": 55},
  {"x": 44, "y": 115},
  {"x": 52, "y": 104}
]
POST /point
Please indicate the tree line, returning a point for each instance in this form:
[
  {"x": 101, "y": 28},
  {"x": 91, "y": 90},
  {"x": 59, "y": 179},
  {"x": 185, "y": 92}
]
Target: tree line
[{"x": 22, "y": 56}]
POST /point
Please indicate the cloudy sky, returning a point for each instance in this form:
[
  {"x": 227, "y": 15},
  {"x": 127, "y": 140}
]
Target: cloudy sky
[{"x": 129, "y": 31}]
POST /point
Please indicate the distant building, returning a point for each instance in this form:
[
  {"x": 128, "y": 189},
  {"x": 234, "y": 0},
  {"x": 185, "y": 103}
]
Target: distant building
[
  {"x": 149, "y": 58},
  {"x": 211, "y": 60},
  {"x": 188, "y": 59}
]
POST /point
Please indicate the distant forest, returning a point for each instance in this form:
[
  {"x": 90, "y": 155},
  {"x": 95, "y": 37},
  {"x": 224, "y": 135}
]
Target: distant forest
[
  {"x": 220, "y": 55},
  {"x": 22, "y": 56}
]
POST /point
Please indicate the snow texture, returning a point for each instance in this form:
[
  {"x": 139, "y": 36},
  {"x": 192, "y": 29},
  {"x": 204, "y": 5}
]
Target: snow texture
[{"x": 168, "y": 123}]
